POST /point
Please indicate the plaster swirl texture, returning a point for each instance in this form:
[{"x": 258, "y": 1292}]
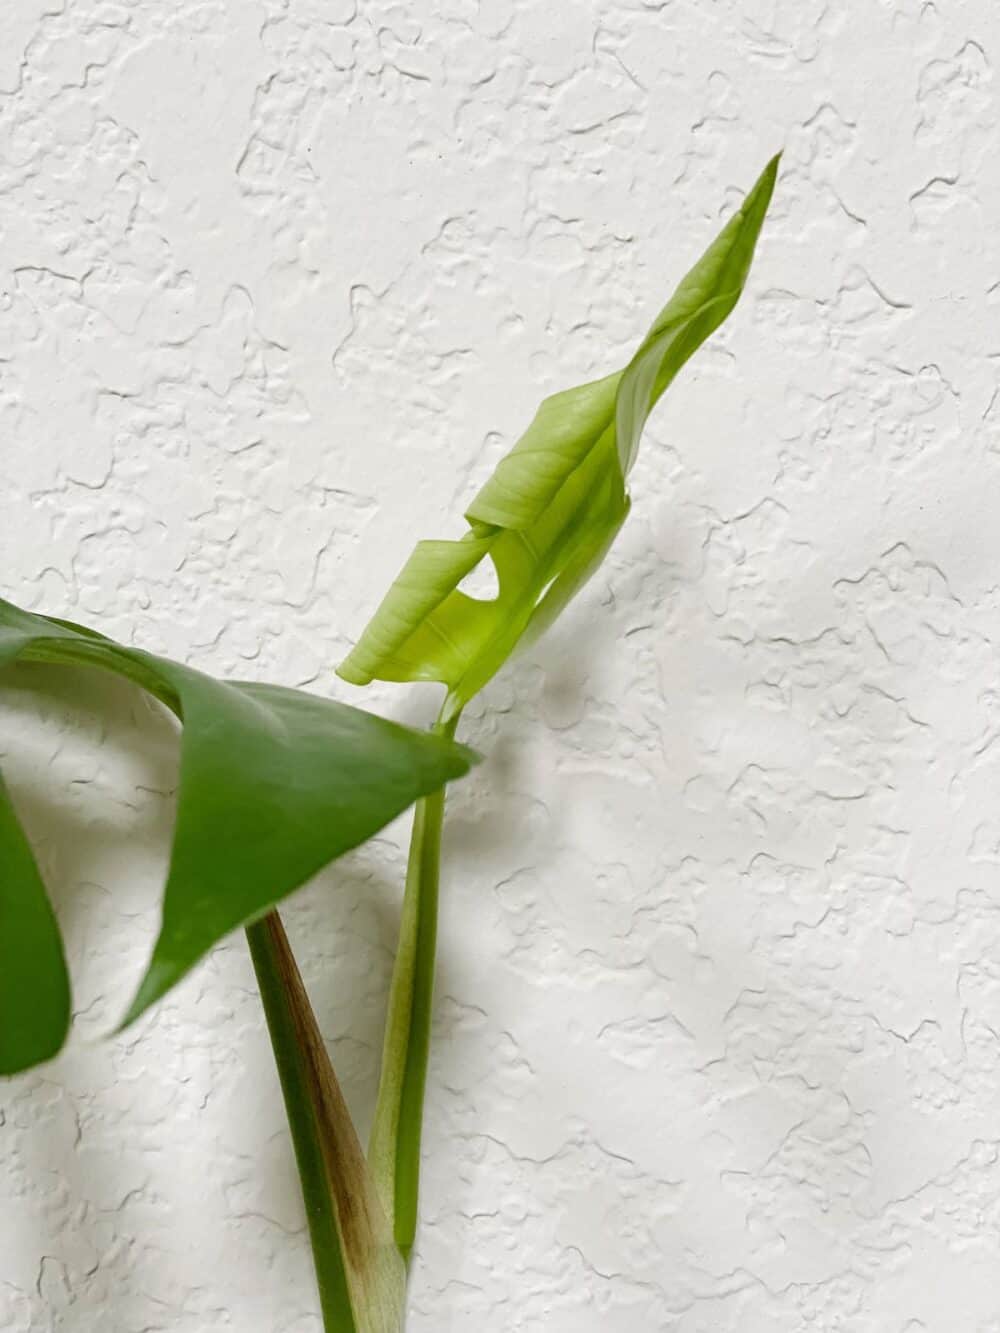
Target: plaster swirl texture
[{"x": 718, "y": 1029}]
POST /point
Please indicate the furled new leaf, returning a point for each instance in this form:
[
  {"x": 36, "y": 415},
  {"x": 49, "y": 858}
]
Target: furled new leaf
[
  {"x": 545, "y": 519},
  {"x": 555, "y": 503},
  {"x": 274, "y": 783}
]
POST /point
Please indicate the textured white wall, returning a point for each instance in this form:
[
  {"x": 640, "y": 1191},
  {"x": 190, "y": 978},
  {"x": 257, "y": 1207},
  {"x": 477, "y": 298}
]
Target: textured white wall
[{"x": 718, "y": 1042}]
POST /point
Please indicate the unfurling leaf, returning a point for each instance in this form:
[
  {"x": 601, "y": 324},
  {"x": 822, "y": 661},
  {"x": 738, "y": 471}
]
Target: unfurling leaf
[
  {"x": 554, "y": 504},
  {"x": 274, "y": 784},
  {"x": 546, "y": 519}
]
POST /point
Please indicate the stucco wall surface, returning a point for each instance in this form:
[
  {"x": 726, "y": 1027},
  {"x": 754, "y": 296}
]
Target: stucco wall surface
[{"x": 718, "y": 1015}]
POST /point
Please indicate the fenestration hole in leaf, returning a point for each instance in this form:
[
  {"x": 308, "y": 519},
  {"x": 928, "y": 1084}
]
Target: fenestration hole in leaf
[{"x": 482, "y": 582}]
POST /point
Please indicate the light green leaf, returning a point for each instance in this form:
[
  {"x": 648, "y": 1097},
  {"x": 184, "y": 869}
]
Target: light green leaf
[
  {"x": 274, "y": 783},
  {"x": 555, "y": 503},
  {"x": 546, "y": 519}
]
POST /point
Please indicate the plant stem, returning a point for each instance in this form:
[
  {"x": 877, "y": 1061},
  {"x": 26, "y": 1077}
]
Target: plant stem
[
  {"x": 287, "y": 1024},
  {"x": 394, "y": 1149},
  {"x": 359, "y": 1272}
]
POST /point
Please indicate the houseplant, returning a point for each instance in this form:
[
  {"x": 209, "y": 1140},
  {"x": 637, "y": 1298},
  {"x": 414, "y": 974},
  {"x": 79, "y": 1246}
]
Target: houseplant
[{"x": 275, "y": 783}]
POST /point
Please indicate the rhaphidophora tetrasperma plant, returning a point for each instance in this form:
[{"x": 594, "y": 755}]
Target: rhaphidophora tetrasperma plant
[{"x": 275, "y": 783}]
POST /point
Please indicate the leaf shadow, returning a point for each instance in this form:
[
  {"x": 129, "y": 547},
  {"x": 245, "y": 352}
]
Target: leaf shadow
[
  {"x": 114, "y": 755},
  {"x": 91, "y": 767}
]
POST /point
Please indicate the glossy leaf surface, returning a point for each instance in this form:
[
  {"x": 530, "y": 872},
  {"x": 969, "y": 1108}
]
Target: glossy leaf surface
[{"x": 274, "y": 783}]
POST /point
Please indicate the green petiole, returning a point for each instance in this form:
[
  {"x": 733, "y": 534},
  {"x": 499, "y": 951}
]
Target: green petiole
[
  {"x": 394, "y": 1148},
  {"x": 299, "y": 1056}
]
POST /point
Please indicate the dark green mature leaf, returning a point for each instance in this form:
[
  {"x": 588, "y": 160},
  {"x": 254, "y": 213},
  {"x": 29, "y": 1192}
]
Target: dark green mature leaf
[
  {"x": 34, "y": 984},
  {"x": 555, "y": 503},
  {"x": 274, "y": 783}
]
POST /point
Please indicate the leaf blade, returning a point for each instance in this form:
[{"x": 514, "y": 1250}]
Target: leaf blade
[
  {"x": 565, "y": 428},
  {"x": 32, "y": 961},
  {"x": 430, "y": 575},
  {"x": 274, "y": 784},
  {"x": 555, "y": 502},
  {"x": 703, "y": 299},
  {"x": 322, "y": 779}
]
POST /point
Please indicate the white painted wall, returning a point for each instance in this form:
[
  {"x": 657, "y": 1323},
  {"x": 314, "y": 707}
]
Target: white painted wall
[{"x": 718, "y": 1047}]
